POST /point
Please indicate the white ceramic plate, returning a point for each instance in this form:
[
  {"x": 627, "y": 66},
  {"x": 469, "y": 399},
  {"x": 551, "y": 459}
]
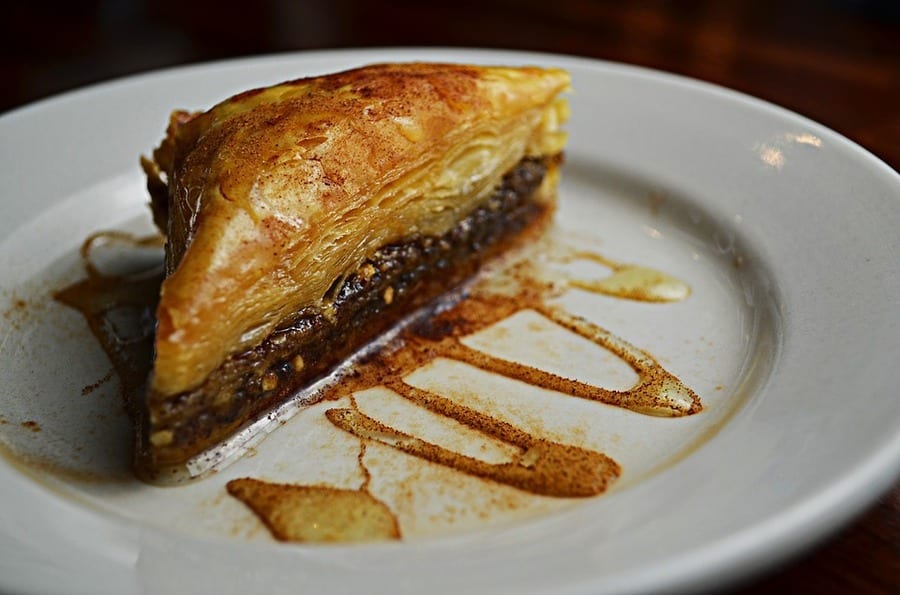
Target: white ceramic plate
[{"x": 786, "y": 232}]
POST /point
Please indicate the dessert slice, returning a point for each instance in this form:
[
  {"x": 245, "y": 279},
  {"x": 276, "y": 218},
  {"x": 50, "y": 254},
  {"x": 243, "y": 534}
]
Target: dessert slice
[{"x": 305, "y": 219}]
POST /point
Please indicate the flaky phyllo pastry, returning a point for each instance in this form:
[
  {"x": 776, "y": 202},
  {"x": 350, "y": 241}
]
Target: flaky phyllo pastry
[{"x": 305, "y": 219}]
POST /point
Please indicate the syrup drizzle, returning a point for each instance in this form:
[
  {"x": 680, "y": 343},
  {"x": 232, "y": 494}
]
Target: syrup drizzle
[
  {"x": 303, "y": 513},
  {"x": 119, "y": 309},
  {"x": 629, "y": 281},
  {"x": 541, "y": 466}
]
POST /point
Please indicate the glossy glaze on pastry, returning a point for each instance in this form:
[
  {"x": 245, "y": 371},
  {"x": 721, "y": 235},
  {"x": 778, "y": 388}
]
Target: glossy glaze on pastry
[{"x": 328, "y": 207}]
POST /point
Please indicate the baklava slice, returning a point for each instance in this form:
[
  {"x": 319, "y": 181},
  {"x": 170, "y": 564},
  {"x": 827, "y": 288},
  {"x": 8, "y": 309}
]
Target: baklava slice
[{"x": 305, "y": 219}]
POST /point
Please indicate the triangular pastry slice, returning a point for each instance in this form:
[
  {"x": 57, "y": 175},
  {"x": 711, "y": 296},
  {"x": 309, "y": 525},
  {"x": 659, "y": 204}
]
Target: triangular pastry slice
[{"x": 304, "y": 219}]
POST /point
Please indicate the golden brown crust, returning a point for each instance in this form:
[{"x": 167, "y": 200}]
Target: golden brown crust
[{"x": 274, "y": 192}]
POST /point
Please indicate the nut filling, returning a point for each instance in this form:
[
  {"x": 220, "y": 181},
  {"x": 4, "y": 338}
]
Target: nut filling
[{"x": 359, "y": 306}]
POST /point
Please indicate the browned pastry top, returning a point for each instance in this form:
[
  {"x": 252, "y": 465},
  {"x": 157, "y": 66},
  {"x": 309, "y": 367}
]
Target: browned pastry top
[{"x": 273, "y": 194}]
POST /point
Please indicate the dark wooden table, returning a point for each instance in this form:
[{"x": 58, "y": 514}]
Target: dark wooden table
[{"x": 835, "y": 61}]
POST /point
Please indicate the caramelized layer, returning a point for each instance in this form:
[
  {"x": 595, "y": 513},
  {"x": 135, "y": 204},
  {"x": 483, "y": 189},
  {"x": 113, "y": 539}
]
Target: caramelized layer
[{"x": 400, "y": 277}]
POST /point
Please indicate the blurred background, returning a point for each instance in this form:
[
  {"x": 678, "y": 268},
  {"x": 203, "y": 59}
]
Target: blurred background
[{"x": 835, "y": 61}]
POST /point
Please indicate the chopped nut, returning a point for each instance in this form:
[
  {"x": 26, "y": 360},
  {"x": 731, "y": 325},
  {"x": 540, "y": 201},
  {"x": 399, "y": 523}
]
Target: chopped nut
[
  {"x": 388, "y": 295},
  {"x": 298, "y": 362},
  {"x": 162, "y": 438},
  {"x": 366, "y": 271},
  {"x": 269, "y": 381},
  {"x": 222, "y": 400}
]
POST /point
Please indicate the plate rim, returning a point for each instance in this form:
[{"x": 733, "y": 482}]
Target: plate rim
[{"x": 789, "y": 531}]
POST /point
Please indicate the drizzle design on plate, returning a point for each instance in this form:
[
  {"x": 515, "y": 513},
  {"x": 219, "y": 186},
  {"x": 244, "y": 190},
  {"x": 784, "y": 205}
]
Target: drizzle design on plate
[{"x": 541, "y": 466}]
